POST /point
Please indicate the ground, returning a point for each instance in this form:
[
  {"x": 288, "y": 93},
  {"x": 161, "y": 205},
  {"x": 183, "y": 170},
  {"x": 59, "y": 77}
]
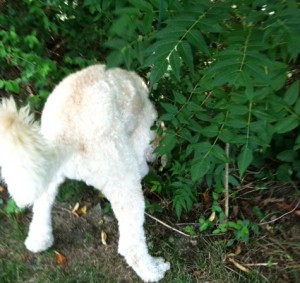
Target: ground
[{"x": 85, "y": 248}]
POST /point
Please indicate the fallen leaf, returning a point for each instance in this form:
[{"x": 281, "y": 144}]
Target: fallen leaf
[
  {"x": 197, "y": 273},
  {"x": 212, "y": 216},
  {"x": 238, "y": 250},
  {"x": 82, "y": 211},
  {"x": 75, "y": 208},
  {"x": 284, "y": 206},
  {"x": 1, "y": 189},
  {"x": 60, "y": 259},
  {"x": 104, "y": 238},
  {"x": 238, "y": 265},
  {"x": 272, "y": 200}
]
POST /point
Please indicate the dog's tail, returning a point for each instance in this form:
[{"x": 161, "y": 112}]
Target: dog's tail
[{"x": 24, "y": 154}]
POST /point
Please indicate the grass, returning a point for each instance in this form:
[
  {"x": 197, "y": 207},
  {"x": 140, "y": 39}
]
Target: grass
[{"x": 201, "y": 259}]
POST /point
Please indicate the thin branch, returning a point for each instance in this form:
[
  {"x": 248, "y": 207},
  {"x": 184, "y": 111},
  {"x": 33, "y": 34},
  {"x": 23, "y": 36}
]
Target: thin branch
[
  {"x": 168, "y": 226},
  {"x": 283, "y": 215}
]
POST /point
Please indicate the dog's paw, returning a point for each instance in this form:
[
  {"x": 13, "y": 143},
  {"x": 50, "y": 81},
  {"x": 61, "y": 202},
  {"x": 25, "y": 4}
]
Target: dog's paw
[
  {"x": 161, "y": 264},
  {"x": 150, "y": 269},
  {"x": 39, "y": 244}
]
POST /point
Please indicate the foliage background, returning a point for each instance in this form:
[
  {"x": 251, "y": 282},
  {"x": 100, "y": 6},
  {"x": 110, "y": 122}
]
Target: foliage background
[{"x": 223, "y": 74}]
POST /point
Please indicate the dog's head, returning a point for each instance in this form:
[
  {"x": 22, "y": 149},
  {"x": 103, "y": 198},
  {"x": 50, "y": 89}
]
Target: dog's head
[{"x": 22, "y": 158}]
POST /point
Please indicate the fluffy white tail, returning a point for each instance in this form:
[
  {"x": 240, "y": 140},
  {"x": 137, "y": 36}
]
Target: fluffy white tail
[{"x": 24, "y": 155}]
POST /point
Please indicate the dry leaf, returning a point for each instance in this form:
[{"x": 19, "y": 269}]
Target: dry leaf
[
  {"x": 239, "y": 266},
  {"x": 1, "y": 189},
  {"x": 103, "y": 238},
  {"x": 75, "y": 208},
  {"x": 238, "y": 250},
  {"x": 285, "y": 206},
  {"x": 197, "y": 273},
  {"x": 82, "y": 211},
  {"x": 212, "y": 216},
  {"x": 60, "y": 259},
  {"x": 272, "y": 200}
]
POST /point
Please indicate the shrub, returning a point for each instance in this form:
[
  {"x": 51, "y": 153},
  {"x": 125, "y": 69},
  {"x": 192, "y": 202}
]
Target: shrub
[{"x": 223, "y": 74}]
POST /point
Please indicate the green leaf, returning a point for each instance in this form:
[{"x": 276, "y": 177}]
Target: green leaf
[
  {"x": 167, "y": 144},
  {"x": 244, "y": 160},
  {"x": 219, "y": 153},
  {"x": 167, "y": 117},
  {"x": 238, "y": 109},
  {"x": 142, "y": 5},
  {"x": 186, "y": 53},
  {"x": 31, "y": 40},
  {"x": 297, "y": 106},
  {"x": 203, "y": 226},
  {"x": 178, "y": 206},
  {"x": 284, "y": 172},
  {"x": 12, "y": 86},
  {"x": 170, "y": 108},
  {"x": 222, "y": 65},
  {"x": 179, "y": 98},
  {"x": 297, "y": 143},
  {"x": 210, "y": 131},
  {"x": 292, "y": 93},
  {"x": 228, "y": 77},
  {"x": 286, "y": 124},
  {"x": 158, "y": 71},
  {"x": 10, "y": 207},
  {"x": 226, "y": 135},
  {"x": 286, "y": 155},
  {"x": 199, "y": 169},
  {"x": 196, "y": 38},
  {"x": 115, "y": 58},
  {"x": 175, "y": 63}
]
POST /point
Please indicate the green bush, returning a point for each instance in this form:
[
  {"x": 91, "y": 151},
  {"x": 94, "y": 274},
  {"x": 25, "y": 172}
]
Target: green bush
[
  {"x": 224, "y": 74},
  {"x": 227, "y": 75}
]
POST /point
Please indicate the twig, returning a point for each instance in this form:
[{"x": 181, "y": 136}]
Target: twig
[
  {"x": 283, "y": 215},
  {"x": 188, "y": 223},
  {"x": 170, "y": 227},
  {"x": 261, "y": 264},
  {"x": 226, "y": 181}
]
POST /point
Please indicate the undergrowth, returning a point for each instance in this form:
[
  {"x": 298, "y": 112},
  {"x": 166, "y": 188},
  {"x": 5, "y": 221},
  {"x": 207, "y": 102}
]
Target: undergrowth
[{"x": 224, "y": 76}]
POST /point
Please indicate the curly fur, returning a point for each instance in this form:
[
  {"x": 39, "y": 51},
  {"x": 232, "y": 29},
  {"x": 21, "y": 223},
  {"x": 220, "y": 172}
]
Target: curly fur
[{"x": 95, "y": 127}]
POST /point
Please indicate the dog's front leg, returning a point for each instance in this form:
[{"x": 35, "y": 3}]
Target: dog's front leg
[{"x": 40, "y": 235}]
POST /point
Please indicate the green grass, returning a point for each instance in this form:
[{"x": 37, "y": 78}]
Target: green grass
[{"x": 204, "y": 259}]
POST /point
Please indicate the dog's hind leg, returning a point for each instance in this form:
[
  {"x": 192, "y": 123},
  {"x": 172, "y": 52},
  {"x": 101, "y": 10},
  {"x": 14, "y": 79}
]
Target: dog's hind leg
[
  {"x": 40, "y": 235},
  {"x": 128, "y": 206}
]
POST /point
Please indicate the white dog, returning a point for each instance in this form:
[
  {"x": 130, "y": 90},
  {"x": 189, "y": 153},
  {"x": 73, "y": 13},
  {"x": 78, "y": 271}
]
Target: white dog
[{"x": 95, "y": 127}]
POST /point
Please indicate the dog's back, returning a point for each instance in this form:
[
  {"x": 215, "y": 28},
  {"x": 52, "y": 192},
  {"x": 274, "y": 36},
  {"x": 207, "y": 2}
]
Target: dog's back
[
  {"x": 96, "y": 112},
  {"x": 95, "y": 102}
]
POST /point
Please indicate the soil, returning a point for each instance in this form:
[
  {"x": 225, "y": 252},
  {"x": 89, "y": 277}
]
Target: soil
[{"x": 78, "y": 239}]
